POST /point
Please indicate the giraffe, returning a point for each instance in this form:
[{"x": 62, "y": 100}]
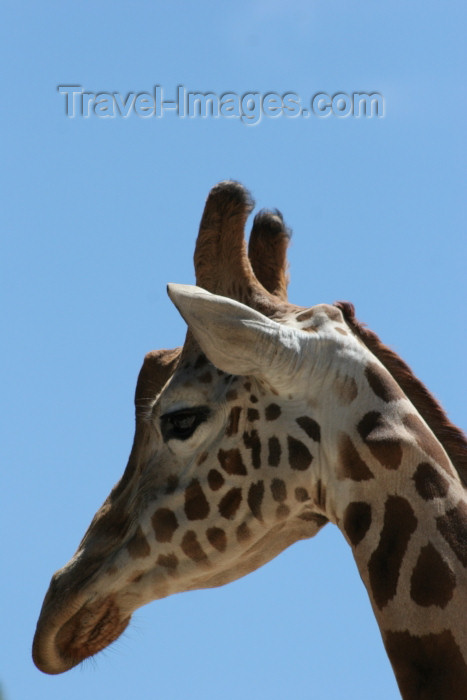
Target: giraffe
[{"x": 271, "y": 421}]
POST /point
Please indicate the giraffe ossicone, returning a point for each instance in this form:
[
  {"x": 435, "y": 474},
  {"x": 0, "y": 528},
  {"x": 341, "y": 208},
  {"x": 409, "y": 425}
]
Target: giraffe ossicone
[{"x": 271, "y": 421}]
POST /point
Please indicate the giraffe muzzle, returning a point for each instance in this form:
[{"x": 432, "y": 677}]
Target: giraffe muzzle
[{"x": 62, "y": 642}]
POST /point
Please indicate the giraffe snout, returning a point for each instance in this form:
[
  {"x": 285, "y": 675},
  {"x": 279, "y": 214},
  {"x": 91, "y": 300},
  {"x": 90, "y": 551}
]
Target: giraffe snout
[{"x": 78, "y": 630}]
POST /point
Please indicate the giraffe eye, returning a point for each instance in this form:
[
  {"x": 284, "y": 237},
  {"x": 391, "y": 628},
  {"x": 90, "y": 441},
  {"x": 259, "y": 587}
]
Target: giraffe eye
[{"x": 180, "y": 425}]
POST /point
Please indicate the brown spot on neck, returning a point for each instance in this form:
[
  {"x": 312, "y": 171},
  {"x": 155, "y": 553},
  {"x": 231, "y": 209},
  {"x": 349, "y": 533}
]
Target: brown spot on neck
[
  {"x": 279, "y": 490},
  {"x": 282, "y": 511},
  {"x": 357, "y": 521},
  {"x": 382, "y": 384},
  {"x": 272, "y": 412},
  {"x": 432, "y": 581},
  {"x": 345, "y": 389},
  {"x": 215, "y": 480},
  {"x": 453, "y": 527},
  {"x": 429, "y": 482},
  {"x": 196, "y": 503},
  {"x": 243, "y": 533},
  {"x": 217, "y": 537},
  {"x": 385, "y": 562},
  {"x": 230, "y": 503},
  {"x": 300, "y": 456},
  {"x": 350, "y": 464},
  {"x": 381, "y": 439},
  {"x": 255, "y": 499},
  {"x": 138, "y": 546},
  {"x": 310, "y": 427},
  {"x": 192, "y": 548},
  {"x": 252, "y": 442},
  {"x": 427, "y": 667},
  {"x": 231, "y": 461},
  {"x": 274, "y": 451},
  {"x": 301, "y": 494},
  {"x": 169, "y": 562},
  {"x": 252, "y": 415},
  {"x": 164, "y": 523}
]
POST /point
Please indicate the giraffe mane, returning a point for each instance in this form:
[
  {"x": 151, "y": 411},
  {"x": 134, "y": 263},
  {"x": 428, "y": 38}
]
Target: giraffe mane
[{"x": 450, "y": 436}]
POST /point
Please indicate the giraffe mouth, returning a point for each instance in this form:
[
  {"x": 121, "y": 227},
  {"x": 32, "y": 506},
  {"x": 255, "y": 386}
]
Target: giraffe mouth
[{"x": 58, "y": 648}]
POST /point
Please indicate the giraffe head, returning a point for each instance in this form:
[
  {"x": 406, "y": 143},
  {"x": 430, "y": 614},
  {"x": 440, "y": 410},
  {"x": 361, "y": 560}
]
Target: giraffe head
[
  {"x": 271, "y": 420},
  {"x": 204, "y": 499}
]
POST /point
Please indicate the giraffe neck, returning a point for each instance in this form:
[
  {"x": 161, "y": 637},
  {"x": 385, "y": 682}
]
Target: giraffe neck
[
  {"x": 408, "y": 548},
  {"x": 394, "y": 493}
]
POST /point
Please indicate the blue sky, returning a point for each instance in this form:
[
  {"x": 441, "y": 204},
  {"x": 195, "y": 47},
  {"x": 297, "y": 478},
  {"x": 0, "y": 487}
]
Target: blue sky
[{"x": 99, "y": 214}]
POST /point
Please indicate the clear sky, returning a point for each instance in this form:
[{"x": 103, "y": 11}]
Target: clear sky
[{"x": 99, "y": 213}]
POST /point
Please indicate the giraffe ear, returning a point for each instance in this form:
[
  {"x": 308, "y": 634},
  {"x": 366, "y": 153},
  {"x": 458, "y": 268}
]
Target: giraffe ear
[{"x": 235, "y": 338}]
